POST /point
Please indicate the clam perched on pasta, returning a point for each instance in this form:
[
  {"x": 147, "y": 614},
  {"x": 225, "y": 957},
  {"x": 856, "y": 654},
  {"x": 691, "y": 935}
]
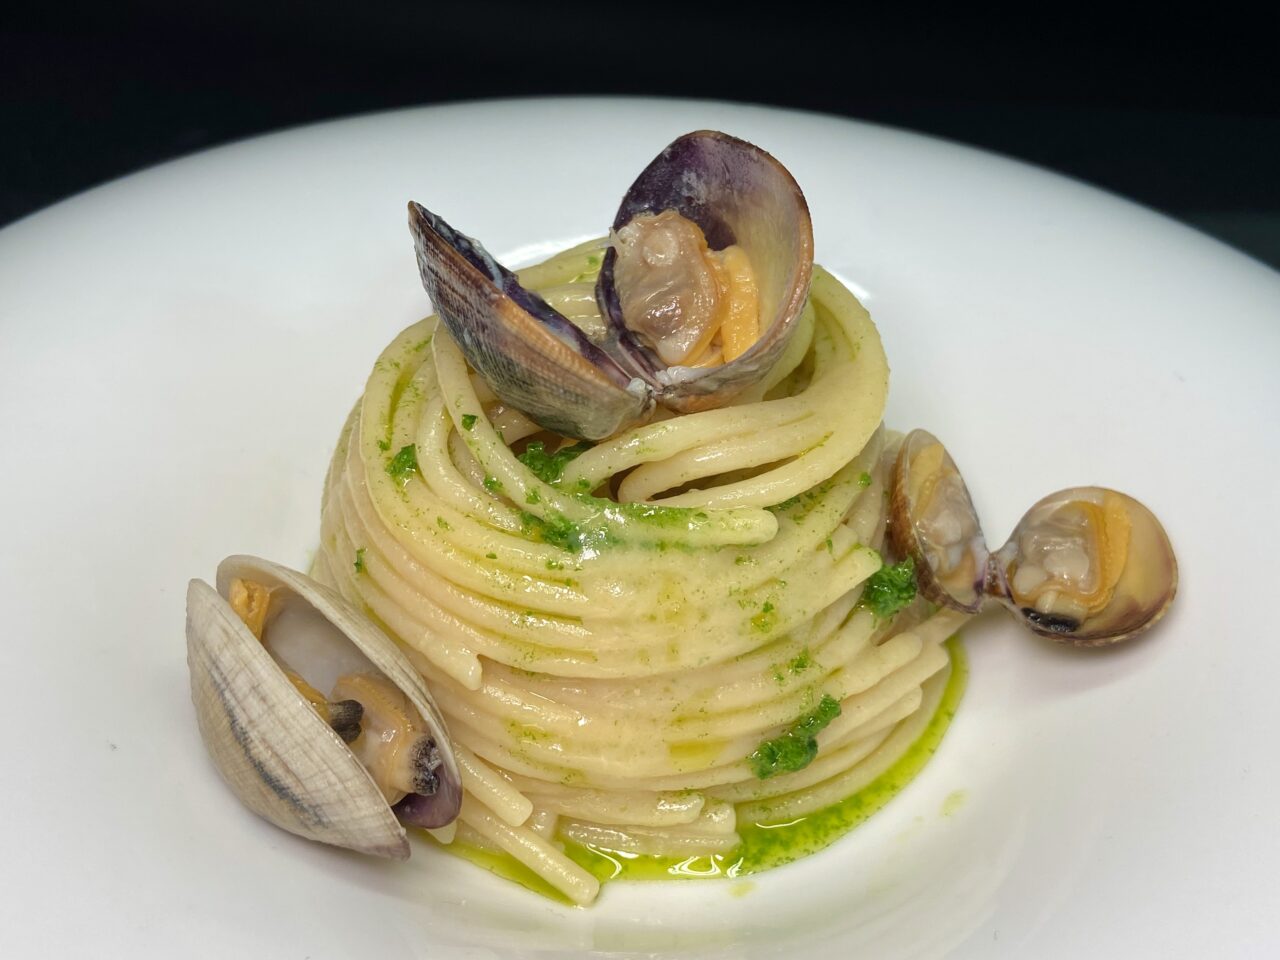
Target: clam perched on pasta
[{"x": 633, "y": 515}]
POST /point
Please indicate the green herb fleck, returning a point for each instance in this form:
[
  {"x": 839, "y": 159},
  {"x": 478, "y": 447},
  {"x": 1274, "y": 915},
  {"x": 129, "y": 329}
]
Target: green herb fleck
[
  {"x": 864, "y": 480},
  {"x": 830, "y": 547},
  {"x": 443, "y": 524},
  {"x": 801, "y": 662},
  {"x": 766, "y": 619},
  {"x": 404, "y": 463},
  {"x": 556, "y": 529},
  {"x": 549, "y": 467},
  {"x": 890, "y": 589},
  {"x": 491, "y": 556},
  {"x": 493, "y": 484},
  {"x": 532, "y": 496},
  {"x": 805, "y": 500},
  {"x": 652, "y": 515},
  {"x": 795, "y": 749},
  {"x": 359, "y": 564},
  {"x": 469, "y": 420},
  {"x": 384, "y": 445}
]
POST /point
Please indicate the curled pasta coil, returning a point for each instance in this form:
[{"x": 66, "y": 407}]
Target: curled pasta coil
[{"x": 611, "y": 636}]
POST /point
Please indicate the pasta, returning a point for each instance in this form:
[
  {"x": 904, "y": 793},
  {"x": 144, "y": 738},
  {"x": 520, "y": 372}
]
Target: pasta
[{"x": 614, "y": 634}]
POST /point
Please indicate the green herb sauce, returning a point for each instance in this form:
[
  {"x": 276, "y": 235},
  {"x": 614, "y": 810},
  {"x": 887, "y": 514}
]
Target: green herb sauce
[
  {"x": 404, "y": 464},
  {"x": 549, "y": 467},
  {"x": 795, "y": 749},
  {"x": 503, "y": 865},
  {"x": 764, "y": 846},
  {"x": 890, "y": 589}
]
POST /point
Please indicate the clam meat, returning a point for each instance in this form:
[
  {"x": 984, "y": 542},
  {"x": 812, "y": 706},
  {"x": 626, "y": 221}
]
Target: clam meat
[
  {"x": 1087, "y": 566},
  {"x": 709, "y": 262},
  {"x": 349, "y": 768}
]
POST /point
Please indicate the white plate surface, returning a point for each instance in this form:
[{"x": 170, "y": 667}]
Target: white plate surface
[{"x": 178, "y": 350}]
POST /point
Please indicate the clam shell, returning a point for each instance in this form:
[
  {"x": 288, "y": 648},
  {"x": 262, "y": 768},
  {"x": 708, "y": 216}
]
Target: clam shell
[
  {"x": 915, "y": 532},
  {"x": 532, "y": 357},
  {"x": 539, "y": 362},
  {"x": 738, "y": 194},
  {"x": 278, "y": 756},
  {"x": 1087, "y": 566},
  {"x": 1146, "y": 582}
]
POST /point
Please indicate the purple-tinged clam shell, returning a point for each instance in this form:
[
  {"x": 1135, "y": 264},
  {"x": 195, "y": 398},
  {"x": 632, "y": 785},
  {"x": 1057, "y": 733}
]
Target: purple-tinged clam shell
[
  {"x": 737, "y": 194},
  {"x": 538, "y": 361},
  {"x": 533, "y": 357}
]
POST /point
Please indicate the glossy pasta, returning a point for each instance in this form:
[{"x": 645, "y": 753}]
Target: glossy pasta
[{"x": 610, "y": 645}]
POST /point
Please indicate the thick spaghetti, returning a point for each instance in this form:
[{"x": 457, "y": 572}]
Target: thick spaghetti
[{"x": 616, "y": 634}]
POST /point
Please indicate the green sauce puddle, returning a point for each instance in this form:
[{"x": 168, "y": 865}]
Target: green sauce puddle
[
  {"x": 763, "y": 846},
  {"x": 503, "y": 865}
]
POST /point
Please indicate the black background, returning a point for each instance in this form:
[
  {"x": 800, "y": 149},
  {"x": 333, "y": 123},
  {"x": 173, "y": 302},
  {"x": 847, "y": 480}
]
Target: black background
[{"x": 1180, "y": 112}]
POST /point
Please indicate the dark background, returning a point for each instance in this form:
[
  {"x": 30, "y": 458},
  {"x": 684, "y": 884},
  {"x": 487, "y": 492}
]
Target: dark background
[{"x": 1179, "y": 114}]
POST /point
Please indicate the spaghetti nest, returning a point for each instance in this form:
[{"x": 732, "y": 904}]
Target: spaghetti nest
[{"x": 627, "y": 639}]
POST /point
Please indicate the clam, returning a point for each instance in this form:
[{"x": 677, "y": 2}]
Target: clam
[
  {"x": 345, "y": 769},
  {"x": 933, "y": 520},
  {"x": 708, "y": 268},
  {"x": 1088, "y": 566}
]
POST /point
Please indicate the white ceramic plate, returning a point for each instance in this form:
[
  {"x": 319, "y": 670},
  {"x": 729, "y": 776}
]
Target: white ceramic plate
[{"x": 179, "y": 348}]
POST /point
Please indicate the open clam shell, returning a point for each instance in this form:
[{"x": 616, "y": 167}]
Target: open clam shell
[
  {"x": 933, "y": 521},
  {"x": 1088, "y": 566},
  {"x": 278, "y": 756},
  {"x": 738, "y": 195},
  {"x": 538, "y": 361}
]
